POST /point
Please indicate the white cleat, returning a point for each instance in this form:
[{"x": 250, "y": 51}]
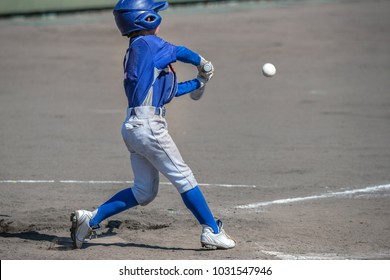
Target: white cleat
[
  {"x": 220, "y": 240},
  {"x": 80, "y": 229}
]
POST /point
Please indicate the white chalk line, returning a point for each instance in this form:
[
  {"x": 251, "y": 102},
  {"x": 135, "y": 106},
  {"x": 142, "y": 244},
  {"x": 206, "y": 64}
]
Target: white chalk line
[
  {"x": 310, "y": 256},
  {"x": 326, "y": 256},
  {"x": 94, "y": 182},
  {"x": 370, "y": 189}
]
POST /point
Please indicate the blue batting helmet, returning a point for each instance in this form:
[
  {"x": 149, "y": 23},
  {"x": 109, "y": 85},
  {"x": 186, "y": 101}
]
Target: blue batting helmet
[{"x": 135, "y": 15}]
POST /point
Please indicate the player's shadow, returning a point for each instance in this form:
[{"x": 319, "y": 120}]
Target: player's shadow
[
  {"x": 59, "y": 243},
  {"x": 28, "y": 235},
  {"x": 55, "y": 242},
  {"x": 65, "y": 243},
  {"x": 144, "y": 246},
  {"x": 115, "y": 224}
]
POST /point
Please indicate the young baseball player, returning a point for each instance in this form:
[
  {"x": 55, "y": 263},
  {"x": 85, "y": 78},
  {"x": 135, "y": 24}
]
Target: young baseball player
[{"x": 150, "y": 82}]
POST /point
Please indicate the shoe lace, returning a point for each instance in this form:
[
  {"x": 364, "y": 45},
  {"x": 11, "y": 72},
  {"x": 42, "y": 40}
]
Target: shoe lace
[{"x": 220, "y": 227}]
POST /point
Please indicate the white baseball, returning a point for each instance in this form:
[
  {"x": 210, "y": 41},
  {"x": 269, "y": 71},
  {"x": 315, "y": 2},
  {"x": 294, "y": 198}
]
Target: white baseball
[{"x": 269, "y": 70}]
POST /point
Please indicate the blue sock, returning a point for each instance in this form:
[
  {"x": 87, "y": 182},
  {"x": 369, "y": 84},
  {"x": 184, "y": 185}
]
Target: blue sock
[
  {"x": 122, "y": 201},
  {"x": 196, "y": 203}
]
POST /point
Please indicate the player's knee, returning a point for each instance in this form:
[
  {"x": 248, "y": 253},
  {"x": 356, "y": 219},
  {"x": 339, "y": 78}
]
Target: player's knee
[
  {"x": 148, "y": 199},
  {"x": 147, "y": 193}
]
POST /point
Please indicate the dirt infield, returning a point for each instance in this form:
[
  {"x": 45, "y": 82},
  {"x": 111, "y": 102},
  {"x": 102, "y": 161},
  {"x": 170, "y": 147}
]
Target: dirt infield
[{"x": 297, "y": 165}]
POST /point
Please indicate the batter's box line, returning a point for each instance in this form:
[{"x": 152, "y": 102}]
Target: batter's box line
[{"x": 96, "y": 182}]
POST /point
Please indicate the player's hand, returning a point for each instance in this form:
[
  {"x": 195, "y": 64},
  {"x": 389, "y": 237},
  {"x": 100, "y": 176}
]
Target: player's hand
[
  {"x": 202, "y": 81},
  {"x": 205, "y": 69}
]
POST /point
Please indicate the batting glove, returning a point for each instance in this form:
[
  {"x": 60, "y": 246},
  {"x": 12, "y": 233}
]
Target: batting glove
[
  {"x": 202, "y": 81},
  {"x": 205, "y": 69}
]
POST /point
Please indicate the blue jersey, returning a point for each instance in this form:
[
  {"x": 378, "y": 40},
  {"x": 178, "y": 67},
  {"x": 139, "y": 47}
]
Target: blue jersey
[{"x": 149, "y": 78}]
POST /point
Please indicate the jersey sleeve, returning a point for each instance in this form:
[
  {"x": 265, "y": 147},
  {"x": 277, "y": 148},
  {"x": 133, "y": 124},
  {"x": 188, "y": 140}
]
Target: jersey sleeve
[
  {"x": 186, "y": 87},
  {"x": 164, "y": 53},
  {"x": 186, "y": 55}
]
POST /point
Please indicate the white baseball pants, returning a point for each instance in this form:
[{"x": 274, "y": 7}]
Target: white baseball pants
[{"x": 152, "y": 150}]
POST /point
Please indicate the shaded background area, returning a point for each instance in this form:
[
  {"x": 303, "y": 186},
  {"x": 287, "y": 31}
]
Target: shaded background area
[{"x": 26, "y": 7}]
